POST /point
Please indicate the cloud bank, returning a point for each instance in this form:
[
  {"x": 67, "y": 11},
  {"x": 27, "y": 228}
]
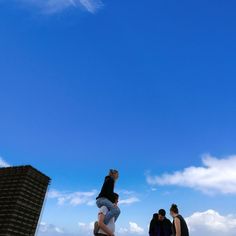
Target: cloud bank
[
  {"x": 132, "y": 229},
  {"x": 214, "y": 176},
  {"x": 211, "y": 223},
  {"x": 55, "y": 6}
]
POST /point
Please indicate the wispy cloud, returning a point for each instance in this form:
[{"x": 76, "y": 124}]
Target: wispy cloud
[
  {"x": 214, "y": 176},
  {"x": 129, "y": 201},
  {"x": 132, "y": 229},
  {"x": 73, "y": 198},
  {"x": 3, "y": 163},
  {"x": 85, "y": 228},
  {"x": 127, "y": 197},
  {"x": 45, "y": 229},
  {"x": 88, "y": 198},
  {"x": 48, "y": 229},
  {"x": 55, "y": 6}
]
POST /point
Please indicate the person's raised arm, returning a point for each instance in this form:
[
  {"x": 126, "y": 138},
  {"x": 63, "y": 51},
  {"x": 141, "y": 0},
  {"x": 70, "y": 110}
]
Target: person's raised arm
[
  {"x": 177, "y": 226},
  {"x": 103, "y": 226}
]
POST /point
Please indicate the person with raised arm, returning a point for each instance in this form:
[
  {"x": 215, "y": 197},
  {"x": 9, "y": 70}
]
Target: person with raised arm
[{"x": 106, "y": 198}]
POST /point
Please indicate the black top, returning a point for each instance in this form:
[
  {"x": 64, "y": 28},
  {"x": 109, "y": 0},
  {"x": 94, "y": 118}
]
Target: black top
[
  {"x": 183, "y": 225},
  {"x": 107, "y": 189},
  {"x": 160, "y": 228}
]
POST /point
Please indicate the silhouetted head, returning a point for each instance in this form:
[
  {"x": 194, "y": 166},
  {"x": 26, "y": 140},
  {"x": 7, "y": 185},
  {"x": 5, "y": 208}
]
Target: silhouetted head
[
  {"x": 116, "y": 198},
  {"x": 174, "y": 210},
  {"x": 114, "y": 174},
  {"x": 161, "y": 214},
  {"x": 155, "y": 217}
]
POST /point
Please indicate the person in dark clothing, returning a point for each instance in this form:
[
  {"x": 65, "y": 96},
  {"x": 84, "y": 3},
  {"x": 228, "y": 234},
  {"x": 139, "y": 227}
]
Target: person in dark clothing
[
  {"x": 153, "y": 225},
  {"x": 106, "y": 198},
  {"x": 160, "y": 225},
  {"x": 180, "y": 227}
]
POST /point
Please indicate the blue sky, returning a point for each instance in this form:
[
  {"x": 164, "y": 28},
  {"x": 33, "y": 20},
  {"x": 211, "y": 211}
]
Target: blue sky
[{"x": 144, "y": 87}]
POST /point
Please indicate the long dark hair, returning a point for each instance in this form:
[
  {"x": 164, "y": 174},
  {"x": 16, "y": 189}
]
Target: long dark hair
[{"x": 174, "y": 208}]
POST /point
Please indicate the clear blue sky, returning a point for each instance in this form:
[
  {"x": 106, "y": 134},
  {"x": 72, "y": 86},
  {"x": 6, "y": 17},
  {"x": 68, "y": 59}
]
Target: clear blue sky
[{"x": 141, "y": 86}]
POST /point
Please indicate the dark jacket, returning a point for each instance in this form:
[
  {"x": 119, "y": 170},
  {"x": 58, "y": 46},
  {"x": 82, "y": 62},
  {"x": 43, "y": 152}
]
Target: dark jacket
[
  {"x": 153, "y": 225},
  {"x": 107, "y": 190},
  {"x": 160, "y": 228}
]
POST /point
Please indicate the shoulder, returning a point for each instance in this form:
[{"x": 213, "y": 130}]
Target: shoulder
[
  {"x": 103, "y": 210},
  {"x": 152, "y": 222},
  {"x": 167, "y": 221},
  {"x": 109, "y": 179},
  {"x": 177, "y": 219}
]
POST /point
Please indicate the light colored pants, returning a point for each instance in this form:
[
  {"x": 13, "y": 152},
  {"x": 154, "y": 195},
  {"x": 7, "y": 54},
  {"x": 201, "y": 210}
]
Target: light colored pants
[{"x": 114, "y": 211}]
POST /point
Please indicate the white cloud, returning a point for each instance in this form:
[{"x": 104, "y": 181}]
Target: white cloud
[
  {"x": 73, "y": 198},
  {"x": 85, "y": 228},
  {"x": 88, "y": 198},
  {"x": 133, "y": 228},
  {"x": 91, "y": 5},
  {"x": 129, "y": 201},
  {"x": 211, "y": 223},
  {"x": 3, "y": 163},
  {"x": 123, "y": 231},
  {"x": 46, "y": 229},
  {"x": 127, "y": 197},
  {"x": 215, "y": 176},
  {"x": 126, "y": 192},
  {"x": 54, "y": 6}
]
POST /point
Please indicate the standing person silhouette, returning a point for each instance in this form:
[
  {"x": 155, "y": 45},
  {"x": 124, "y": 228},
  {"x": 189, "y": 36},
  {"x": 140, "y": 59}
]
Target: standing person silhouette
[
  {"x": 180, "y": 227},
  {"x": 106, "y": 198},
  {"x": 160, "y": 225}
]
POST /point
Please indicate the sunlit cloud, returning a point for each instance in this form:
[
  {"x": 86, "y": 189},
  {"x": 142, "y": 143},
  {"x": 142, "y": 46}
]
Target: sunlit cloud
[
  {"x": 3, "y": 163},
  {"x": 133, "y": 229},
  {"x": 214, "y": 176},
  {"x": 211, "y": 223}
]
